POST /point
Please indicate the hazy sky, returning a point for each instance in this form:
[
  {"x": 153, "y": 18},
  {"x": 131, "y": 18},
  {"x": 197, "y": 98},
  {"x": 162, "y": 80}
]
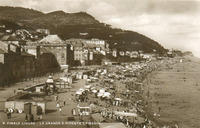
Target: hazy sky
[{"x": 173, "y": 23}]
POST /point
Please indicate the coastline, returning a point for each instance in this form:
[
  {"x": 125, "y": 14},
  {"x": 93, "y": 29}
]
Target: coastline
[{"x": 148, "y": 96}]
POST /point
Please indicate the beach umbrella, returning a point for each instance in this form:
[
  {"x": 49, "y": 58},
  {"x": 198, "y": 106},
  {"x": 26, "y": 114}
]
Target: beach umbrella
[
  {"x": 106, "y": 94},
  {"x": 79, "y": 92},
  {"x": 94, "y": 91},
  {"x": 100, "y": 94}
]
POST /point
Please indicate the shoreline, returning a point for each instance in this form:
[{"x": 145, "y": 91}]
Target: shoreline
[{"x": 152, "y": 115}]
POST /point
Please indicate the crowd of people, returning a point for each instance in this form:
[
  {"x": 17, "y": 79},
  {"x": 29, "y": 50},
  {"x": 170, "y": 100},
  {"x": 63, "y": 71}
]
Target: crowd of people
[{"x": 118, "y": 93}]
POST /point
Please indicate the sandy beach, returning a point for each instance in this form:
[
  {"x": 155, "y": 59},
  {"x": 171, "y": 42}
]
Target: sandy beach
[{"x": 174, "y": 92}]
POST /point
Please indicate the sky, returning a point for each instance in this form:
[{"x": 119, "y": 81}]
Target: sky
[{"x": 173, "y": 23}]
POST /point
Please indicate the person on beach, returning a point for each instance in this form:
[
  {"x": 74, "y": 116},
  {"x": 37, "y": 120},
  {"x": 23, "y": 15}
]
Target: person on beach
[
  {"x": 60, "y": 110},
  {"x": 159, "y": 109},
  {"x": 57, "y": 106},
  {"x": 56, "y": 98},
  {"x": 8, "y": 114},
  {"x": 39, "y": 113},
  {"x": 176, "y": 126},
  {"x": 73, "y": 112},
  {"x": 148, "y": 93}
]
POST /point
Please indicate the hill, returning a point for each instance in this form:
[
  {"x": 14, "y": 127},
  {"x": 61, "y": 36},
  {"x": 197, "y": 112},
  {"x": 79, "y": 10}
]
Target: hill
[{"x": 70, "y": 25}]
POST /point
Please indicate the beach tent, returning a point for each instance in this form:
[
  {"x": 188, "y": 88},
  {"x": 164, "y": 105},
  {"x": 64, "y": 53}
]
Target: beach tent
[
  {"x": 83, "y": 109},
  {"x": 50, "y": 80},
  {"x": 118, "y": 99},
  {"x": 125, "y": 114}
]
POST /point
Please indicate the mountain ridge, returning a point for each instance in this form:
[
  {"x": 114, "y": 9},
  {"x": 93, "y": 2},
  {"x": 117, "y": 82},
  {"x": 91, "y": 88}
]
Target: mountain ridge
[{"x": 70, "y": 25}]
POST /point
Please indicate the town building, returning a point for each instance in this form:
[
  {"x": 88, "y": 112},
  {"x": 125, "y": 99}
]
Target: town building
[
  {"x": 96, "y": 42},
  {"x": 80, "y": 54},
  {"x": 2, "y": 60},
  {"x": 43, "y": 31},
  {"x": 62, "y": 51},
  {"x": 17, "y": 64}
]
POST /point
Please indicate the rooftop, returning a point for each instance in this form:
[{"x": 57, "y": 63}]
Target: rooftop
[
  {"x": 51, "y": 39},
  {"x": 2, "y": 51},
  {"x": 26, "y": 54}
]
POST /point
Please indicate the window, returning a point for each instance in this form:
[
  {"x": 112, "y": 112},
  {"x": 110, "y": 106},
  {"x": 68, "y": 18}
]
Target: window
[{"x": 62, "y": 55}]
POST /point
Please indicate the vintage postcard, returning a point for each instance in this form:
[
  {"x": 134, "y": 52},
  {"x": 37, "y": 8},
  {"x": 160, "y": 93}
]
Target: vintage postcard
[{"x": 99, "y": 63}]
